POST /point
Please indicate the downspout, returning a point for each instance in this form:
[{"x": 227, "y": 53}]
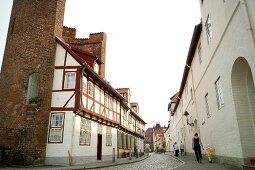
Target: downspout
[
  {"x": 248, "y": 20},
  {"x": 70, "y": 153}
]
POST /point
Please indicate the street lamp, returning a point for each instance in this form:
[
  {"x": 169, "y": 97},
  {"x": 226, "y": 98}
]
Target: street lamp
[{"x": 188, "y": 123}]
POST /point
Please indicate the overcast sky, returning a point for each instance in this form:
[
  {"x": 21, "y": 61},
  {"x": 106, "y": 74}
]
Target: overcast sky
[{"x": 146, "y": 49}]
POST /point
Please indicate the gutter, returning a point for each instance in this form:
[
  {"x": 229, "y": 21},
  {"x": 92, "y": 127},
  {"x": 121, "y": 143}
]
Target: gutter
[{"x": 195, "y": 38}]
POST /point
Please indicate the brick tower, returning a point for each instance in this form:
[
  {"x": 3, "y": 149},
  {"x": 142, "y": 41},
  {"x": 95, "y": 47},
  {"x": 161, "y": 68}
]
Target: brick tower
[
  {"x": 95, "y": 44},
  {"x": 27, "y": 72}
]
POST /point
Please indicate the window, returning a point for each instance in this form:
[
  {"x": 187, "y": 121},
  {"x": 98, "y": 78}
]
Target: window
[
  {"x": 219, "y": 94},
  {"x": 123, "y": 140},
  {"x": 125, "y": 114},
  {"x": 127, "y": 141},
  {"x": 69, "y": 80},
  {"x": 85, "y": 132},
  {"x": 207, "y": 106},
  {"x": 91, "y": 89},
  {"x": 200, "y": 53},
  {"x": 108, "y": 136},
  {"x": 191, "y": 93},
  {"x": 106, "y": 100},
  {"x": 119, "y": 140},
  {"x": 208, "y": 27},
  {"x": 56, "y": 127},
  {"x": 33, "y": 87},
  {"x": 129, "y": 119},
  {"x": 110, "y": 103},
  {"x": 84, "y": 85},
  {"x": 96, "y": 67}
]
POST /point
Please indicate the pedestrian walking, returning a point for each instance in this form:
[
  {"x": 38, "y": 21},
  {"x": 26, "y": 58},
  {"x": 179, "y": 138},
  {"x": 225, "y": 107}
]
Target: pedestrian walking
[
  {"x": 176, "y": 149},
  {"x": 182, "y": 148},
  {"x": 196, "y": 145}
]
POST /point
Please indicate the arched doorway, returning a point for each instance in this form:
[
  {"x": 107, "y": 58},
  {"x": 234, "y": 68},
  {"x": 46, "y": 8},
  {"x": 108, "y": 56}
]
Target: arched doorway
[{"x": 244, "y": 100}]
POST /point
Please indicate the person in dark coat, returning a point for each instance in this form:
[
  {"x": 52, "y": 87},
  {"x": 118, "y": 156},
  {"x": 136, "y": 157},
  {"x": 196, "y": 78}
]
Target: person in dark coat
[{"x": 196, "y": 145}]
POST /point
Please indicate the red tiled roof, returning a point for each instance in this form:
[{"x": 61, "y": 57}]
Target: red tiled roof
[{"x": 174, "y": 98}]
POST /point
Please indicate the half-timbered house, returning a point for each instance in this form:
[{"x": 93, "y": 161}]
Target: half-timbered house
[
  {"x": 56, "y": 106},
  {"x": 85, "y": 110},
  {"x": 131, "y": 130}
]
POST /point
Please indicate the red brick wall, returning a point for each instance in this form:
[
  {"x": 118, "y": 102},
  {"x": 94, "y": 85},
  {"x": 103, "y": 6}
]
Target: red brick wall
[
  {"x": 30, "y": 48},
  {"x": 95, "y": 44}
]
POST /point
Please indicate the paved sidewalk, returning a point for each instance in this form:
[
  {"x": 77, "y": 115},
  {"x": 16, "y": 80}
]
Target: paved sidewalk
[
  {"x": 190, "y": 163},
  {"x": 94, "y": 165}
]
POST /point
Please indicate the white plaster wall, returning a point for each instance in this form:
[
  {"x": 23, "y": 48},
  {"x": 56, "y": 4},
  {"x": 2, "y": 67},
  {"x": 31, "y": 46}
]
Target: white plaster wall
[
  {"x": 90, "y": 102},
  {"x": 221, "y": 129},
  {"x": 70, "y": 61},
  {"x": 97, "y": 93},
  {"x": 91, "y": 150},
  {"x": 97, "y": 108},
  {"x": 108, "y": 150},
  {"x": 60, "y": 55},
  {"x": 84, "y": 101},
  {"x": 57, "y": 80},
  {"x": 60, "y": 98},
  {"x": 61, "y": 149}
]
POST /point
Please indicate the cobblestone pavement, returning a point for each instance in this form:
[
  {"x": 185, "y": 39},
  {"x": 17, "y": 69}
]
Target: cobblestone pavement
[{"x": 154, "y": 162}]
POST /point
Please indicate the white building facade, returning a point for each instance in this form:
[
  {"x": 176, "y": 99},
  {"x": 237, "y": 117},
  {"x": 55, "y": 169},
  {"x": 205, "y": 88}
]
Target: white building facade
[{"x": 217, "y": 94}]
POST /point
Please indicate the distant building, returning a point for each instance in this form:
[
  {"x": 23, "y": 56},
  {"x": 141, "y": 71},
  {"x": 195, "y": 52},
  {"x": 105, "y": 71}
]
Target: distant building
[
  {"x": 149, "y": 138},
  {"x": 131, "y": 132},
  {"x": 158, "y": 138}
]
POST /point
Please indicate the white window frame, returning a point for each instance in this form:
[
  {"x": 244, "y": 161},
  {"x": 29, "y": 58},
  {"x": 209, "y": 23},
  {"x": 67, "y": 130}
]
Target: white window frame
[
  {"x": 85, "y": 132},
  {"x": 219, "y": 93},
  {"x": 108, "y": 136},
  {"x": 208, "y": 28},
  {"x": 70, "y": 77},
  {"x": 56, "y": 128},
  {"x": 207, "y": 107}
]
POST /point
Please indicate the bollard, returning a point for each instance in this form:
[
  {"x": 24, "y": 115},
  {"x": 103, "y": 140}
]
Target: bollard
[
  {"x": 113, "y": 154},
  {"x": 130, "y": 154}
]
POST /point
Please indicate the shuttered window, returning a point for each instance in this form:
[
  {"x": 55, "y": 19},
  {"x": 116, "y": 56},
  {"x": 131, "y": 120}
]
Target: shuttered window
[
  {"x": 56, "y": 128},
  {"x": 85, "y": 132}
]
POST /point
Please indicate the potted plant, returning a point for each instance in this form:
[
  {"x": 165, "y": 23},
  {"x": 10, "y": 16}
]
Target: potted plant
[{"x": 33, "y": 100}]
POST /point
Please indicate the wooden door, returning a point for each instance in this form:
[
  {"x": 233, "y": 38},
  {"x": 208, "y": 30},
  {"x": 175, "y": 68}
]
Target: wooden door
[{"x": 99, "y": 147}]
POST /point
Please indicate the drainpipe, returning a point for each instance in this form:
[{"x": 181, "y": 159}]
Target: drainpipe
[
  {"x": 74, "y": 116},
  {"x": 248, "y": 20}
]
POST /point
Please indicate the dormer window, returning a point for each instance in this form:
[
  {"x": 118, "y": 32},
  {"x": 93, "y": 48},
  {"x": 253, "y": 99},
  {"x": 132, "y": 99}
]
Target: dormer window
[{"x": 96, "y": 67}]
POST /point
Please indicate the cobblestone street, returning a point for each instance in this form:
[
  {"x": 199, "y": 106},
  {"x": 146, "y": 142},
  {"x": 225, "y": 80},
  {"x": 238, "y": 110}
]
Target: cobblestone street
[{"x": 155, "y": 161}]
